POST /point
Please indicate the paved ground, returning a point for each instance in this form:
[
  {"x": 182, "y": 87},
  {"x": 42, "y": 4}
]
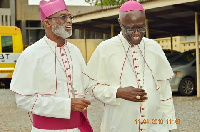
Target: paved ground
[{"x": 13, "y": 119}]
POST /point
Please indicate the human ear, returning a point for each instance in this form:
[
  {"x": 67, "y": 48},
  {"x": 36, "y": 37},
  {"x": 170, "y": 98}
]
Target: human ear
[{"x": 47, "y": 23}]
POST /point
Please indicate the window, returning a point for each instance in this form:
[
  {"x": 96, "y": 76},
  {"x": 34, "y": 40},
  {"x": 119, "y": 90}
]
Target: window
[{"x": 7, "y": 44}]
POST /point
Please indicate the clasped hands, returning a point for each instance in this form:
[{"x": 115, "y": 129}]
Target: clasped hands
[
  {"x": 132, "y": 94},
  {"x": 79, "y": 104}
]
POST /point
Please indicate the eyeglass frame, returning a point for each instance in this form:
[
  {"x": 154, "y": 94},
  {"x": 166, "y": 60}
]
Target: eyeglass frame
[
  {"x": 134, "y": 29},
  {"x": 63, "y": 17}
]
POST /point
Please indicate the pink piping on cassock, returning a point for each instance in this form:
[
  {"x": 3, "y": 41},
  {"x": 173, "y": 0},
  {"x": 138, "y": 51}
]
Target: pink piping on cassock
[
  {"x": 69, "y": 82},
  {"x": 95, "y": 86},
  {"x": 44, "y": 93},
  {"x": 166, "y": 99},
  {"x": 133, "y": 59},
  {"x": 167, "y": 79},
  {"x": 136, "y": 73},
  {"x": 124, "y": 65},
  {"x": 89, "y": 76},
  {"x": 40, "y": 93}
]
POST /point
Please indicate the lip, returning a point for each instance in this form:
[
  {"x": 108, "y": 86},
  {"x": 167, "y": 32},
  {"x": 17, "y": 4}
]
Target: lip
[
  {"x": 69, "y": 27},
  {"x": 135, "y": 37}
]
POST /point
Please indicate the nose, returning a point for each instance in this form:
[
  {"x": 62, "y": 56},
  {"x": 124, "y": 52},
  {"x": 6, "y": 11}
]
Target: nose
[
  {"x": 68, "y": 20},
  {"x": 135, "y": 31}
]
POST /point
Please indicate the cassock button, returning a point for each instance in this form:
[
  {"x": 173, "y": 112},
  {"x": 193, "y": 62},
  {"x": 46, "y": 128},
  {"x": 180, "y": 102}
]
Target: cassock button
[
  {"x": 69, "y": 76},
  {"x": 138, "y": 79},
  {"x": 69, "y": 83},
  {"x": 142, "y": 108}
]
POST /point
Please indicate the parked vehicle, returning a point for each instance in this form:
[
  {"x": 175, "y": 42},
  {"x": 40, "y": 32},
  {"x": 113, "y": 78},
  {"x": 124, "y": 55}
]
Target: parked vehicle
[
  {"x": 171, "y": 55},
  {"x": 184, "y": 68},
  {"x": 11, "y": 46}
]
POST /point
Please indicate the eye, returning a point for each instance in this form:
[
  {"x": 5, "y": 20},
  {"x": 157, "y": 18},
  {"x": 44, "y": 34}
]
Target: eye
[
  {"x": 63, "y": 17},
  {"x": 130, "y": 30},
  {"x": 71, "y": 17},
  {"x": 142, "y": 28}
]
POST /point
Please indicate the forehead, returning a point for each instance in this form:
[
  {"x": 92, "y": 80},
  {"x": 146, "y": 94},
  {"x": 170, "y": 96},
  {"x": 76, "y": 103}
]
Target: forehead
[
  {"x": 132, "y": 17},
  {"x": 63, "y": 12}
]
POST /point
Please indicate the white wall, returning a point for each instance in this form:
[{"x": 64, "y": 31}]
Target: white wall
[{"x": 189, "y": 38}]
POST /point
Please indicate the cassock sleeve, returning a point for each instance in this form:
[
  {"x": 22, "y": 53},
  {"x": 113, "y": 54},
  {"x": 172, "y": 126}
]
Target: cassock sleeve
[
  {"x": 45, "y": 105},
  {"x": 167, "y": 103},
  {"x": 99, "y": 86},
  {"x": 85, "y": 82},
  {"x": 34, "y": 94}
]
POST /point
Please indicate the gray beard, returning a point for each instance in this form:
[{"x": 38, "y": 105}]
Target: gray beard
[{"x": 59, "y": 30}]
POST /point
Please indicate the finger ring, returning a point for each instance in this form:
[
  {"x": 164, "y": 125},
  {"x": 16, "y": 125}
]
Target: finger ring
[
  {"x": 138, "y": 97},
  {"x": 84, "y": 109}
]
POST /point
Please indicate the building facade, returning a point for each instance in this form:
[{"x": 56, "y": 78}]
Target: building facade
[{"x": 27, "y": 18}]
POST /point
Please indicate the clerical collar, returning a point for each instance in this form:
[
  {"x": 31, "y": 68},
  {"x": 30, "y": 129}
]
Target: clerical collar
[{"x": 52, "y": 43}]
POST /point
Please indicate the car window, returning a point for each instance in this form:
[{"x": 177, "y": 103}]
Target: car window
[
  {"x": 172, "y": 57},
  {"x": 184, "y": 59}
]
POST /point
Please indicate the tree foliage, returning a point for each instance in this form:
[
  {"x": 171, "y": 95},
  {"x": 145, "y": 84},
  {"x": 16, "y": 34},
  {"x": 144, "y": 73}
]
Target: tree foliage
[
  {"x": 110, "y": 2},
  {"x": 106, "y": 2}
]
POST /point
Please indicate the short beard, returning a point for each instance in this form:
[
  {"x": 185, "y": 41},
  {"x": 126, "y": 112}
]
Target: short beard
[
  {"x": 59, "y": 30},
  {"x": 129, "y": 39}
]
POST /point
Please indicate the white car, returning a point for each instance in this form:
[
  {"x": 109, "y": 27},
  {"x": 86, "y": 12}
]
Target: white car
[{"x": 184, "y": 68}]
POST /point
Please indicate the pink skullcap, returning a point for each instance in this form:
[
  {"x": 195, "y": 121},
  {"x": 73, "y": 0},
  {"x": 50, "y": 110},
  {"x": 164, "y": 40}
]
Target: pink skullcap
[
  {"x": 48, "y": 8},
  {"x": 131, "y": 6}
]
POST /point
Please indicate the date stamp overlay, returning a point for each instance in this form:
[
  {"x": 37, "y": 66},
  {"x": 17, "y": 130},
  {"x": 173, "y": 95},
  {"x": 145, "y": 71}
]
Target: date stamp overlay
[{"x": 157, "y": 121}]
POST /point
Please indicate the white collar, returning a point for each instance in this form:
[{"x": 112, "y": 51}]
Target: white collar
[{"x": 52, "y": 43}]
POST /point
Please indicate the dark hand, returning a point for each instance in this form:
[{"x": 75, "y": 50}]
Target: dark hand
[
  {"x": 79, "y": 104},
  {"x": 130, "y": 93}
]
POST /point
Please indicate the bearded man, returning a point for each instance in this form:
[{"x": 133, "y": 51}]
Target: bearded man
[
  {"x": 129, "y": 74},
  {"x": 48, "y": 80}
]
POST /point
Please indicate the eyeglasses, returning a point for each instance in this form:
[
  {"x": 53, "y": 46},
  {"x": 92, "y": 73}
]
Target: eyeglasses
[
  {"x": 63, "y": 17},
  {"x": 132, "y": 30}
]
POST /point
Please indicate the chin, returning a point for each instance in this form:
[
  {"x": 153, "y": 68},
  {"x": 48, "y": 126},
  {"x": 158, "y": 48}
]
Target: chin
[{"x": 135, "y": 42}]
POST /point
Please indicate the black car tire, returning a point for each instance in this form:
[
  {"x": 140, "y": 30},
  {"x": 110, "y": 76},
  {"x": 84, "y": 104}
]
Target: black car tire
[
  {"x": 187, "y": 86},
  {"x": 7, "y": 83}
]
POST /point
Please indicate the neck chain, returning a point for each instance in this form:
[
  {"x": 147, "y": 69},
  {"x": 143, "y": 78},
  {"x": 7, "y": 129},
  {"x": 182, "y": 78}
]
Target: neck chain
[
  {"x": 68, "y": 76},
  {"x": 134, "y": 59}
]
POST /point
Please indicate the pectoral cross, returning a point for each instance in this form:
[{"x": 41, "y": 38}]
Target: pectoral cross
[{"x": 73, "y": 91}]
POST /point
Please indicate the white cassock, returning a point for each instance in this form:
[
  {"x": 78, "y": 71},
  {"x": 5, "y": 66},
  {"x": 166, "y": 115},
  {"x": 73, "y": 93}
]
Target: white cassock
[
  {"x": 116, "y": 64},
  {"x": 36, "y": 73}
]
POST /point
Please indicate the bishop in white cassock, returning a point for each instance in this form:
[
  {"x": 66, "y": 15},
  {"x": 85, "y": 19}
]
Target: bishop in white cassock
[
  {"x": 129, "y": 74},
  {"x": 48, "y": 80}
]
